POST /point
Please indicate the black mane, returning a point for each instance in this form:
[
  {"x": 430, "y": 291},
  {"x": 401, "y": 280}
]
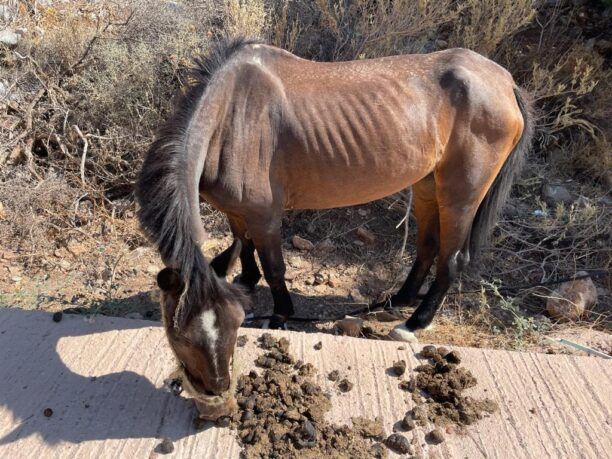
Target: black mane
[{"x": 163, "y": 193}]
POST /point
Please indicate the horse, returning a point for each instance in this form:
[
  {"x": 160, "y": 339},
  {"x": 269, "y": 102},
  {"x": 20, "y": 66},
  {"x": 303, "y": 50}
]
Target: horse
[{"x": 261, "y": 131}]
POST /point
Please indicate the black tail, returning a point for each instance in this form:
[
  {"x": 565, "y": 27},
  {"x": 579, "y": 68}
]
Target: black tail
[
  {"x": 487, "y": 213},
  {"x": 167, "y": 192}
]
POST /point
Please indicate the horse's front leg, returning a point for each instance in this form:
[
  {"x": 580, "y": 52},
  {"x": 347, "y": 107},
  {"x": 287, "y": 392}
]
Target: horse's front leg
[{"x": 266, "y": 235}]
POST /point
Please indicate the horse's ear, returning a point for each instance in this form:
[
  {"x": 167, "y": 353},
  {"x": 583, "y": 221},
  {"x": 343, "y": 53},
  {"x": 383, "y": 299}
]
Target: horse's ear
[{"x": 170, "y": 280}]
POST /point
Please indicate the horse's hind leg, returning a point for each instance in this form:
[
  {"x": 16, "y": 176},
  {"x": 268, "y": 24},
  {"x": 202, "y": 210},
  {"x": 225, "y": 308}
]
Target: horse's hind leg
[{"x": 426, "y": 213}]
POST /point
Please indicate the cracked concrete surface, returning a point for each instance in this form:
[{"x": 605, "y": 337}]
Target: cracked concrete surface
[{"x": 103, "y": 380}]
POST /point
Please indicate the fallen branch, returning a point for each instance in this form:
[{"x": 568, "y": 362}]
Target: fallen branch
[{"x": 84, "y": 154}]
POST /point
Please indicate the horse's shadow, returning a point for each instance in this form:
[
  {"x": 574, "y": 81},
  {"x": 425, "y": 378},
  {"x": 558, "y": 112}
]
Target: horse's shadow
[{"x": 86, "y": 405}]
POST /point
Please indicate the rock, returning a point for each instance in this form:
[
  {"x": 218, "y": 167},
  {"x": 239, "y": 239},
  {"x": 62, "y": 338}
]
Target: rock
[
  {"x": 133, "y": 315},
  {"x": 350, "y": 326},
  {"x": 365, "y": 235},
  {"x": 48, "y": 412},
  {"x": 57, "y": 316},
  {"x": 326, "y": 245},
  {"x": 65, "y": 264},
  {"x": 319, "y": 278},
  {"x": 556, "y": 194},
  {"x": 569, "y": 301},
  {"x": 9, "y": 38},
  {"x": 318, "y": 346},
  {"x": 301, "y": 244},
  {"x": 398, "y": 443}
]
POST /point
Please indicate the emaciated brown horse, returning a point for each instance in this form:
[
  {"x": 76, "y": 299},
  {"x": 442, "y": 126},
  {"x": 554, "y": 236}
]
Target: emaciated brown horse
[{"x": 263, "y": 131}]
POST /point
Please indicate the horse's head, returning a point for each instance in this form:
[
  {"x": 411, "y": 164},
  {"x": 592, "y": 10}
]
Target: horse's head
[{"x": 204, "y": 345}]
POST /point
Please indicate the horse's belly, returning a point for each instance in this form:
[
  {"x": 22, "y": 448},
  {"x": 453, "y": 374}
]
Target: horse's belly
[{"x": 325, "y": 184}]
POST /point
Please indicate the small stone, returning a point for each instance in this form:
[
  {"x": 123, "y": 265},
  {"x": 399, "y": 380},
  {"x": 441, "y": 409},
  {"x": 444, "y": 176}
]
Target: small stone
[
  {"x": 365, "y": 235},
  {"x": 57, "y": 316},
  {"x": 302, "y": 244},
  {"x": 318, "y": 346},
  {"x": 9, "y": 38},
  {"x": 398, "y": 443},
  {"x": 571, "y": 299},
  {"x": 65, "y": 264},
  {"x": 326, "y": 245},
  {"x": 48, "y": 412},
  {"x": 166, "y": 446},
  {"x": 350, "y": 326},
  {"x": 399, "y": 367},
  {"x": 435, "y": 437},
  {"x": 556, "y": 194},
  {"x": 307, "y": 430},
  {"x": 345, "y": 385}
]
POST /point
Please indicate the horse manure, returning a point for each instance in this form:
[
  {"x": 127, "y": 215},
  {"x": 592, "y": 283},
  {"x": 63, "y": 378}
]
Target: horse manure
[
  {"x": 242, "y": 340},
  {"x": 442, "y": 382},
  {"x": 398, "y": 443},
  {"x": 399, "y": 368},
  {"x": 409, "y": 386},
  {"x": 428, "y": 351},
  {"x": 453, "y": 357},
  {"x": 435, "y": 437},
  {"x": 401, "y": 348},
  {"x": 345, "y": 385},
  {"x": 165, "y": 447},
  {"x": 318, "y": 346},
  {"x": 223, "y": 421},
  {"x": 333, "y": 375},
  {"x": 57, "y": 316},
  {"x": 48, "y": 412},
  {"x": 282, "y": 412},
  {"x": 368, "y": 428}
]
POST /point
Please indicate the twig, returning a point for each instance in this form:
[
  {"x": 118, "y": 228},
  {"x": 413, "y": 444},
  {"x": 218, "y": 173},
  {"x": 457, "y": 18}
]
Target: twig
[{"x": 84, "y": 154}]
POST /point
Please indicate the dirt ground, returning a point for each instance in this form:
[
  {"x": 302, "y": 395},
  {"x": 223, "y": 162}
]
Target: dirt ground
[{"x": 105, "y": 267}]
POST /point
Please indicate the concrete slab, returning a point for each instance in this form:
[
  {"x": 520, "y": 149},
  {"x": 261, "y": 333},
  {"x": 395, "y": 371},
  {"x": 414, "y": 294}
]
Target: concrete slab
[{"x": 102, "y": 378}]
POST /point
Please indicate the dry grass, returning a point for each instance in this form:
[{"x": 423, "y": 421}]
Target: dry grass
[{"x": 109, "y": 70}]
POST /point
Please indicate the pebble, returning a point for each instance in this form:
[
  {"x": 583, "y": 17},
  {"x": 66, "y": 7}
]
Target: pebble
[
  {"x": 318, "y": 346},
  {"x": 57, "y": 316},
  {"x": 345, "y": 385},
  {"x": 48, "y": 412},
  {"x": 301, "y": 243}
]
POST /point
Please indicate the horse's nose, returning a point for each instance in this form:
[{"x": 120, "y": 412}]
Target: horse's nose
[{"x": 220, "y": 385}]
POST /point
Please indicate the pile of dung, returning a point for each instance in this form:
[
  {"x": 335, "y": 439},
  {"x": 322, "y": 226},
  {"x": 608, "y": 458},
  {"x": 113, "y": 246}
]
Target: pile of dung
[
  {"x": 438, "y": 389},
  {"x": 282, "y": 413}
]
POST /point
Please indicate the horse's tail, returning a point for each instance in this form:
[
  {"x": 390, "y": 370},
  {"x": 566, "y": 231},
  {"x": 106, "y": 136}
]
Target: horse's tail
[
  {"x": 167, "y": 190},
  {"x": 487, "y": 213}
]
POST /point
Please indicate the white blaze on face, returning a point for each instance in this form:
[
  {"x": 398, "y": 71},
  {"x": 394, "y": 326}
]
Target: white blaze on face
[{"x": 208, "y": 319}]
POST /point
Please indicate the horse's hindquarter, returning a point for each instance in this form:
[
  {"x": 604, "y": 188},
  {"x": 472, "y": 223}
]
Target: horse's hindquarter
[{"x": 355, "y": 132}]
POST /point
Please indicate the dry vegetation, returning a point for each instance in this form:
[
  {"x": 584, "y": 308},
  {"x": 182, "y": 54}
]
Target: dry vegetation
[{"x": 88, "y": 82}]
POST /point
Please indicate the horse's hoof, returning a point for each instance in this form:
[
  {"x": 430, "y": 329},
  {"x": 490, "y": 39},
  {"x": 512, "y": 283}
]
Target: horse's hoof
[
  {"x": 248, "y": 286},
  {"x": 276, "y": 322},
  {"x": 402, "y": 333}
]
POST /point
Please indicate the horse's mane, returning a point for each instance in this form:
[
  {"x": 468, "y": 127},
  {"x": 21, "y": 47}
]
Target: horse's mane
[{"x": 167, "y": 204}]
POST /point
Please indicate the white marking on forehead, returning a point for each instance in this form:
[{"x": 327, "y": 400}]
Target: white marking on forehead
[
  {"x": 256, "y": 46},
  {"x": 208, "y": 319},
  {"x": 257, "y": 60}
]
